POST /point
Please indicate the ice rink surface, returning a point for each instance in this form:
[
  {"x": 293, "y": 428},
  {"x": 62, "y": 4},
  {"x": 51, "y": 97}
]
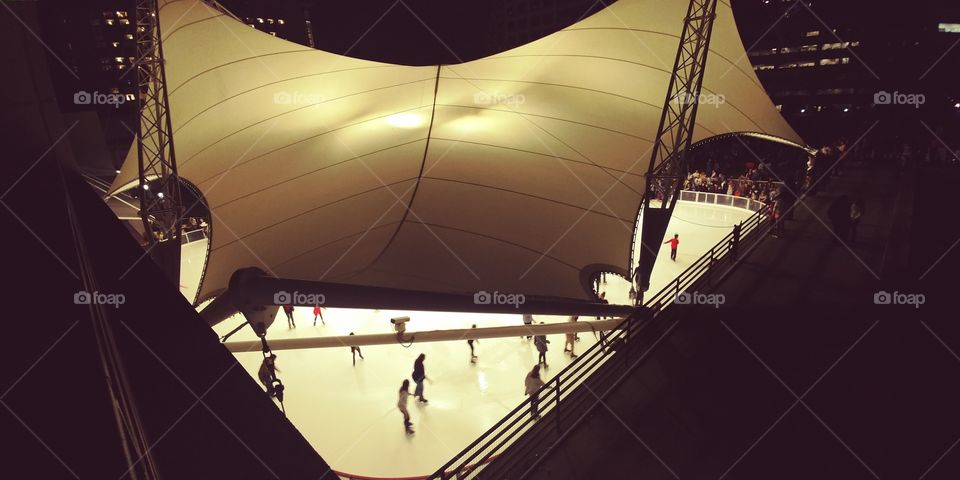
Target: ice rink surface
[{"x": 348, "y": 412}]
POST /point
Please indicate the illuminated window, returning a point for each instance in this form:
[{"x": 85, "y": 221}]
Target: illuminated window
[
  {"x": 121, "y": 14},
  {"x": 845, "y": 60},
  {"x": 798, "y": 64},
  {"x": 273, "y": 33},
  {"x": 280, "y": 21},
  {"x": 121, "y": 66},
  {"x": 252, "y": 25},
  {"x": 124, "y": 21},
  {"x": 130, "y": 97},
  {"x": 779, "y": 108},
  {"x": 835, "y": 91},
  {"x": 764, "y": 67},
  {"x": 948, "y": 27},
  {"x": 270, "y": 21},
  {"x": 837, "y": 46},
  {"x": 131, "y": 59},
  {"x": 118, "y": 59},
  {"x": 813, "y": 33},
  {"x": 115, "y": 44},
  {"x": 830, "y": 61},
  {"x": 129, "y": 36},
  {"x": 108, "y": 21},
  {"x": 788, "y": 49},
  {"x": 259, "y": 20},
  {"x": 808, "y": 48},
  {"x": 763, "y": 53}
]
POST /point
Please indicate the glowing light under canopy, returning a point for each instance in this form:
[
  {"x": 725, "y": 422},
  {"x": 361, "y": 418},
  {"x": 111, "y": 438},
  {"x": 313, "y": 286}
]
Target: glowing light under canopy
[{"x": 405, "y": 120}]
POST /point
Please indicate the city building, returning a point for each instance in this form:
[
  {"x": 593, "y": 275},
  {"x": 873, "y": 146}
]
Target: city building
[{"x": 830, "y": 65}]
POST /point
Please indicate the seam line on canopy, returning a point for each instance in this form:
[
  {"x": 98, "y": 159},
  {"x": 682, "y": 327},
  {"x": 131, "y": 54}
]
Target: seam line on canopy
[{"x": 423, "y": 162}]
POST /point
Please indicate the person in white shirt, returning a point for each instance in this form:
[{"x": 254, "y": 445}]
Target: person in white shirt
[
  {"x": 402, "y": 405},
  {"x": 532, "y": 386}
]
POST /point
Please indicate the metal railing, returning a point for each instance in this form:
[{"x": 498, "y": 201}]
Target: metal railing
[{"x": 625, "y": 338}]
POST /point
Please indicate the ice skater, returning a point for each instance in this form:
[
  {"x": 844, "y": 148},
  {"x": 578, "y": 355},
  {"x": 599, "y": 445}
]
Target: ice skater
[
  {"x": 268, "y": 371},
  {"x": 402, "y": 405},
  {"x": 355, "y": 351},
  {"x": 288, "y": 309},
  {"x": 602, "y": 298},
  {"x": 541, "y": 343},
  {"x": 532, "y": 386},
  {"x": 473, "y": 356},
  {"x": 527, "y": 320},
  {"x": 419, "y": 375},
  {"x": 571, "y": 339},
  {"x": 673, "y": 246},
  {"x": 318, "y": 312}
]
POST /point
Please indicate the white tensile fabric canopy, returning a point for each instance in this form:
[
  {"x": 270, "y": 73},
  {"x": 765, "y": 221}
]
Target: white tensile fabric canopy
[{"x": 519, "y": 172}]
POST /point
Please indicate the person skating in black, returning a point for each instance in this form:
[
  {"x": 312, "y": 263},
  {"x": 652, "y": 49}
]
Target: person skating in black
[
  {"x": 419, "y": 375},
  {"x": 355, "y": 351},
  {"x": 473, "y": 356},
  {"x": 541, "y": 343}
]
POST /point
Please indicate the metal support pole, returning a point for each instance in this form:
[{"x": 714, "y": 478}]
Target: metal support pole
[
  {"x": 668, "y": 162},
  {"x": 159, "y": 187}
]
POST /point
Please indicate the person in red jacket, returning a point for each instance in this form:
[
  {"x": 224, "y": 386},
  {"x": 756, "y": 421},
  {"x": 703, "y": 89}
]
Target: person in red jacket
[{"x": 673, "y": 246}]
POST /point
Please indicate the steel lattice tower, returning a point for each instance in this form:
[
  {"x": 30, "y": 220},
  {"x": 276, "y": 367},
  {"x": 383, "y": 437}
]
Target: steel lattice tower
[
  {"x": 160, "y": 201},
  {"x": 668, "y": 163}
]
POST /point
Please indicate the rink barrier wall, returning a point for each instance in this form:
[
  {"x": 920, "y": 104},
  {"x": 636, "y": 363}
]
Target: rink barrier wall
[
  {"x": 723, "y": 199},
  {"x": 629, "y": 337}
]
